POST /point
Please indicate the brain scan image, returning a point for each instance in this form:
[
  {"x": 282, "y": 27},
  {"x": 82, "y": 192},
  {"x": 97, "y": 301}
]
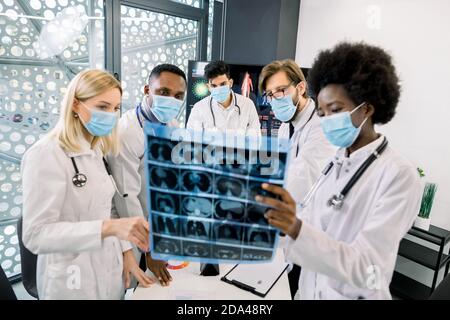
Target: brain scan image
[{"x": 201, "y": 198}]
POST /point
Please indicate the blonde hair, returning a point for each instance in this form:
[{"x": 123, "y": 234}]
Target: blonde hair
[
  {"x": 289, "y": 66},
  {"x": 85, "y": 85}
]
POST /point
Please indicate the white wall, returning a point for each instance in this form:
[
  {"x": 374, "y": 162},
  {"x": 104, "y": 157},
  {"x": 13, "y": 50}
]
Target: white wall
[{"x": 417, "y": 34}]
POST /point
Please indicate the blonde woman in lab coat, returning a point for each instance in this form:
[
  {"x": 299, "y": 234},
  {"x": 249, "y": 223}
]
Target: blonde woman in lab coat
[
  {"x": 347, "y": 248},
  {"x": 67, "y": 196}
]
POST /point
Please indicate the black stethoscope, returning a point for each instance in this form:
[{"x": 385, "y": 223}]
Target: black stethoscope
[
  {"x": 336, "y": 201},
  {"x": 235, "y": 105},
  {"x": 79, "y": 179}
]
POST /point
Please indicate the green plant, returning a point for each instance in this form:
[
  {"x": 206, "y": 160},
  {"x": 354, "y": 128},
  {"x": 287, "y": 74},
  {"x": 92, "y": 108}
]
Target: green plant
[{"x": 427, "y": 200}]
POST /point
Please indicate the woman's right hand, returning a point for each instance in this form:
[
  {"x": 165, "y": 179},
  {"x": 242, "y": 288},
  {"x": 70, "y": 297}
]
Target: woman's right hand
[{"x": 135, "y": 230}]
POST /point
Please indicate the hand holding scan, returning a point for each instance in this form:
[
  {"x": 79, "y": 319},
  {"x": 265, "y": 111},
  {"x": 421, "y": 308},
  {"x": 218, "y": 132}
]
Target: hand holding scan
[
  {"x": 135, "y": 230},
  {"x": 282, "y": 214},
  {"x": 130, "y": 267}
]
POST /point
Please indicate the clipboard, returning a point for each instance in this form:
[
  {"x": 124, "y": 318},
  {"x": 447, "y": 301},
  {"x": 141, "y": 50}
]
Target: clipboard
[{"x": 258, "y": 279}]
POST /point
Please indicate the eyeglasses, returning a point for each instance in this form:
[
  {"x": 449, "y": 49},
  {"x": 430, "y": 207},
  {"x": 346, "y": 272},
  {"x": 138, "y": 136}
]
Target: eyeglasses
[{"x": 277, "y": 94}]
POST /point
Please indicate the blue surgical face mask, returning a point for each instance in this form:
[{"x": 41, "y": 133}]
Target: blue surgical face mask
[
  {"x": 283, "y": 108},
  {"x": 101, "y": 123},
  {"x": 220, "y": 94},
  {"x": 339, "y": 128},
  {"x": 165, "y": 108}
]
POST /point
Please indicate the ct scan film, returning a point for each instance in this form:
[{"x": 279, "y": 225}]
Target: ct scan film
[{"x": 201, "y": 194}]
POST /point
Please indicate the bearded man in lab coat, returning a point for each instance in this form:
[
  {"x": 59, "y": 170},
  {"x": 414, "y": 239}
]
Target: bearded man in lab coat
[{"x": 284, "y": 86}]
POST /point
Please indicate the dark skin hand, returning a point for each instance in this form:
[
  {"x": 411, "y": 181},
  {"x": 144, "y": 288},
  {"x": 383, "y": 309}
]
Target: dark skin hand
[
  {"x": 159, "y": 269},
  {"x": 283, "y": 213}
]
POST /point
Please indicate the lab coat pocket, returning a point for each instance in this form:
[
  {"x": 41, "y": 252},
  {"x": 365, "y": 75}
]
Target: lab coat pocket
[
  {"x": 330, "y": 293},
  {"x": 68, "y": 278}
]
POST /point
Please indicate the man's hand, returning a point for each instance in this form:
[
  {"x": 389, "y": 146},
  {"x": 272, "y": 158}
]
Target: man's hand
[
  {"x": 283, "y": 213},
  {"x": 159, "y": 269}
]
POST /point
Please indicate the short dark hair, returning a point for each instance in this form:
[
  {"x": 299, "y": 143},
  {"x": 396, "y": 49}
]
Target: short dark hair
[
  {"x": 156, "y": 72},
  {"x": 216, "y": 68},
  {"x": 366, "y": 72}
]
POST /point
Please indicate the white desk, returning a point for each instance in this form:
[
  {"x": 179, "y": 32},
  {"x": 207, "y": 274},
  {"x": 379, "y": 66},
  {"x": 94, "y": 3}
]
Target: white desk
[{"x": 187, "y": 284}]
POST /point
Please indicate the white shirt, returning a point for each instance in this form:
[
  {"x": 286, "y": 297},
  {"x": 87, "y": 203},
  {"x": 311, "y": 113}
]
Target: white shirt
[
  {"x": 310, "y": 151},
  {"x": 240, "y": 116},
  {"x": 128, "y": 167},
  {"x": 62, "y": 223},
  {"x": 350, "y": 253}
]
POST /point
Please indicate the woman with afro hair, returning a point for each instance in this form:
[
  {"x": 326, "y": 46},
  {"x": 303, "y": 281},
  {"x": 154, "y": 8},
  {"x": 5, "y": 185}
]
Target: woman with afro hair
[{"x": 346, "y": 239}]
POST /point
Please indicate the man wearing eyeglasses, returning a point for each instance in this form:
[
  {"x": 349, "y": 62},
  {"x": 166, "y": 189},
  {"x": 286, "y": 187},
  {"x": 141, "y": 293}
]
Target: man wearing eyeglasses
[
  {"x": 224, "y": 110},
  {"x": 285, "y": 88}
]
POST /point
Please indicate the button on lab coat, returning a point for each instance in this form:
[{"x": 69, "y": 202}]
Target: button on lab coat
[
  {"x": 62, "y": 223},
  {"x": 309, "y": 153},
  {"x": 227, "y": 119},
  {"x": 350, "y": 253}
]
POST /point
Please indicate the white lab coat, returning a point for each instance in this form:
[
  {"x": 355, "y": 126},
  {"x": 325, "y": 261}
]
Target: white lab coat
[
  {"x": 128, "y": 167},
  {"x": 350, "y": 253},
  {"x": 227, "y": 119},
  {"x": 310, "y": 151},
  {"x": 62, "y": 223}
]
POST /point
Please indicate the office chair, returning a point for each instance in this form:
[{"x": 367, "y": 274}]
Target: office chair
[
  {"x": 28, "y": 261},
  {"x": 6, "y": 290},
  {"x": 442, "y": 292}
]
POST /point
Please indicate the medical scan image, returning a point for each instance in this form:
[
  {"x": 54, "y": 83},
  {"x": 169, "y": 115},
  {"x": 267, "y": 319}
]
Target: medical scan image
[
  {"x": 197, "y": 207},
  {"x": 206, "y": 211}
]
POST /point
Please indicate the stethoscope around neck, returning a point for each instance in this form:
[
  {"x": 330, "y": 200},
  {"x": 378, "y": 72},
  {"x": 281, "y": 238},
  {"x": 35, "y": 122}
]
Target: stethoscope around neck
[
  {"x": 211, "y": 108},
  {"x": 337, "y": 200},
  {"x": 79, "y": 179}
]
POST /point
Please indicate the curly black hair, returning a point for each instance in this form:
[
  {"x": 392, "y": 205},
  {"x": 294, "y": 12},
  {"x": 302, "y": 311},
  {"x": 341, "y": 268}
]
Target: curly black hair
[{"x": 366, "y": 72}]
